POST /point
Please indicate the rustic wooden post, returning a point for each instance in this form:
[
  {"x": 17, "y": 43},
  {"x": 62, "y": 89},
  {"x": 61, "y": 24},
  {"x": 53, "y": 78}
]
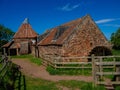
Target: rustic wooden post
[
  {"x": 82, "y": 69},
  {"x": 9, "y": 52},
  {"x": 17, "y": 51},
  {"x": 55, "y": 63},
  {"x": 101, "y": 68},
  {"x": 114, "y": 66},
  {"x": 118, "y": 70},
  {"x": 93, "y": 70},
  {"x": 4, "y": 51}
]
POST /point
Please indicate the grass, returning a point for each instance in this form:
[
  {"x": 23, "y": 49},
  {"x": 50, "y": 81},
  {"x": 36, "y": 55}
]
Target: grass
[
  {"x": 40, "y": 84},
  {"x": 53, "y": 71},
  {"x": 115, "y": 52},
  {"x": 31, "y": 83},
  {"x": 85, "y": 72},
  {"x": 23, "y": 56},
  {"x": 33, "y": 59},
  {"x": 73, "y": 84}
]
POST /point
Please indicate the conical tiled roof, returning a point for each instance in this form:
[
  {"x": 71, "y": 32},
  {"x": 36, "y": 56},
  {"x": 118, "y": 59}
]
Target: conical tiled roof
[{"x": 25, "y": 31}]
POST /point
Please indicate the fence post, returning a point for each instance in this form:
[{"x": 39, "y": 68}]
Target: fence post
[
  {"x": 101, "y": 68},
  {"x": 117, "y": 70},
  {"x": 114, "y": 66},
  {"x": 93, "y": 69},
  {"x": 55, "y": 63}
]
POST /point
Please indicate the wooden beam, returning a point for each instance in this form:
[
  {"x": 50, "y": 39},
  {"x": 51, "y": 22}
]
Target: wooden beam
[
  {"x": 107, "y": 73},
  {"x": 107, "y": 63}
]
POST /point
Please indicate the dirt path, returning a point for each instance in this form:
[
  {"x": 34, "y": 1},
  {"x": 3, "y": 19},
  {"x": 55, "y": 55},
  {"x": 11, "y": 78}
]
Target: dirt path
[{"x": 33, "y": 70}]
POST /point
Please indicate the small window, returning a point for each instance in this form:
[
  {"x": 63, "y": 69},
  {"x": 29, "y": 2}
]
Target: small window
[{"x": 91, "y": 44}]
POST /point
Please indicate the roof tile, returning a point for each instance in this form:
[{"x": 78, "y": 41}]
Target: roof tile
[
  {"x": 57, "y": 37},
  {"x": 25, "y": 31}
]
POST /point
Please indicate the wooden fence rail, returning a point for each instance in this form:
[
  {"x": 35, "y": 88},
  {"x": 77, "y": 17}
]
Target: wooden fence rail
[
  {"x": 12, "y": 72},
  {"x": 5, "y": 65},
  {"x": 98, "y": 65},
  {"x": 67, "y": 62},
  {"x": 101, "y": 66}
]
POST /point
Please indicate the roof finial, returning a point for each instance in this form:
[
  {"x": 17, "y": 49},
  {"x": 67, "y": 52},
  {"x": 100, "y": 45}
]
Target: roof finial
[{"x": 26, "y": 21}]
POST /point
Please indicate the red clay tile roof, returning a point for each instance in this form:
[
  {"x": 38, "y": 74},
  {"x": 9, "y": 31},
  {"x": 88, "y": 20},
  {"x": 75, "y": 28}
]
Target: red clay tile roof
[
  {"x": 57, "y": 36},
  {"x": 15, "y": 45},
  {"x": 7, "y": 44},
  {"x": 11, "y": 45},
  {"x": 25, "y": 31},
  {"x": 49, "y": 38}
]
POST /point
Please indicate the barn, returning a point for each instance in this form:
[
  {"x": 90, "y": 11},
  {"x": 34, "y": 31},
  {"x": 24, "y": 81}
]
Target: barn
[
  {"x": 80, "y": 37},
  {"x": 22, "y": 41}
]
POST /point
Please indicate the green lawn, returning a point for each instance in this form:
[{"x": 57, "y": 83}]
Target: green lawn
[
  {"x": 65, "y": 71},
  {"x": 116, "y": 52},
  {"x": 33, "y": 59},
  {"x": 40, "y": 84}
]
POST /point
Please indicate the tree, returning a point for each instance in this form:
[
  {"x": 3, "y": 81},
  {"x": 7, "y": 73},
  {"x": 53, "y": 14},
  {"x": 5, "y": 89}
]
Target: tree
[
  {"x": 115, "y": 39},
  {"x": 6, "y": 35}
]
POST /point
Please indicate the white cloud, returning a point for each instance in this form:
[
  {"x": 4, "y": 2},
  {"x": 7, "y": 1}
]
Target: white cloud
[
  {"x": 112, "y": 25},
  {"x": 104, "y": 21},
  {"x": 69, "y": 7}
]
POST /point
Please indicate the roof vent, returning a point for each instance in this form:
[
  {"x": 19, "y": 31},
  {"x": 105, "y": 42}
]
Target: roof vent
[{"x": 26, "y": 21}]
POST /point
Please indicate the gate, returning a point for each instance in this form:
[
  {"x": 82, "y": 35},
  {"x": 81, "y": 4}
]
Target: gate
[{"x": 104, "y": 67}]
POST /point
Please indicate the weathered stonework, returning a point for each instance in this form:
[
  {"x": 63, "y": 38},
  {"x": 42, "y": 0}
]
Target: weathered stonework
[
  {"x": 85, "y": 37},
  {"x": 22, "y": 40},
  {"x": 50, "y": 51},
  {"x": 77, "y": 38}
]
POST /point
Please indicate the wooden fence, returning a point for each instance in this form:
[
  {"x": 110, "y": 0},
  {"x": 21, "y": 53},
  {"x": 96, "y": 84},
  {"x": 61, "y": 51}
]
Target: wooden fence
[
  {"x": 12, "y": 72},
  {"x": 101, "y": 66},
  {"x": 105, "y": 66},
  {"x": 67, "y": 62},
  {"x": 5, "y": 64}
]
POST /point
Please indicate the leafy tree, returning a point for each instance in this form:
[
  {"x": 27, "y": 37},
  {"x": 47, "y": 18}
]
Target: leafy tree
[
  {"x": 6, "y": 35},
  {"x": 115, "y": 39}
]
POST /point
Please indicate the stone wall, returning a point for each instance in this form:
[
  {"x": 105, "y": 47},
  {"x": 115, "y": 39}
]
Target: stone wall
[
  {"x": 51, "y": 50},
  {"x": 24, "y": 48},
  {"x": 85, "y": 37},
  {"x": 33, "y": 50}
]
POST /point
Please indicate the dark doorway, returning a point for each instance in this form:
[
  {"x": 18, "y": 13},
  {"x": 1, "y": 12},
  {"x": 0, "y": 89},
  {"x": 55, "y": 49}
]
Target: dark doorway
[
  {"x": 13, "y": 52},
  {"x": 100, "y": 51}
]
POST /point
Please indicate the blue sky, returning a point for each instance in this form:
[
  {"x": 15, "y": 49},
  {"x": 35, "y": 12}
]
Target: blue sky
[{"x": 45, "y": 14}]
